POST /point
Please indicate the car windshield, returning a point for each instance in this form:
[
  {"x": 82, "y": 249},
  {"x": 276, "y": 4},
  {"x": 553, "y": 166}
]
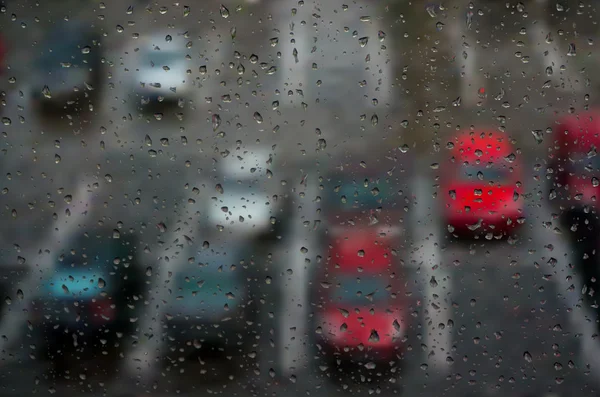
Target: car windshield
[
  {"x": 360, "y": 290},
  {"x": 162, "y": 58},
  {"x": 360, "y": 195},
  {"x": 584, "y": 165},
  {"x": 485, "y": 173}
]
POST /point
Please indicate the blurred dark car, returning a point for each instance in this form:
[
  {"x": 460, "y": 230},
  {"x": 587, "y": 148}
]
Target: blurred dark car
[
  {"x": 88, "y": 297},
  {"x": 481, "y": 185},
  {"x": 68, "y": 69},
  {"x": 212, "y": 304},
  {"x": 573, "y": 190}
]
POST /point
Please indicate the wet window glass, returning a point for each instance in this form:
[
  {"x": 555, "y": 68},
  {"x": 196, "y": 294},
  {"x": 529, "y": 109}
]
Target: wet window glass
[{"x": 293, "y": 198}]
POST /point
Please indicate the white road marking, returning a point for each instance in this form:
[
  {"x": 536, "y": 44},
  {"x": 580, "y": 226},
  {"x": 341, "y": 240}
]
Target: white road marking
[
  {"x": 293, "y": 317},
  {"x": 428, "y": 259}
]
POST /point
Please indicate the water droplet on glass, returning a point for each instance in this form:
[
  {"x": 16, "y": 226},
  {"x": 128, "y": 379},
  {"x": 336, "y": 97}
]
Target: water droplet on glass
[
  {"x": 527, "y": 357},
  {"x": 216, "y": 121},
  {"x": 224, "y": 11},
  {"x": 374, "y": 337},
  {"x": 46, "y": 92},
  {"x": 101, "y": 283},
  {"x": 363, "y": 41},
  {"x": 572, "y": 51},
  {"x": 258, "y": 117}
]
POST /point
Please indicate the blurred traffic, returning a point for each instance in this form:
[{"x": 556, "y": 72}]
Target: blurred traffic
[{"x": 294, "y": 197}]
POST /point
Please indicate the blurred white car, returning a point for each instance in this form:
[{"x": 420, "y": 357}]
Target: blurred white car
[
  {"x": 248, "y": 197},
  {"x": 159, "y": 68}
]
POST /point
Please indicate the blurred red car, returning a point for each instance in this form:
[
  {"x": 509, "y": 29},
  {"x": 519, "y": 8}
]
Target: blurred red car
[
  {"x": 481, "y": 185},
  {"x": 574, "y": 162},
  {"x": 361, "y": 306}
]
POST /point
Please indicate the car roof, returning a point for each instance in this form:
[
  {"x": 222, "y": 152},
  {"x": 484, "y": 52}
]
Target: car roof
[{"x": 483, "y": 145}]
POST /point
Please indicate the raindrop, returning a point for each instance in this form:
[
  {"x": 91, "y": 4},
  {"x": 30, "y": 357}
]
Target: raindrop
[
  {"x": 527, "y": 357},
  {"x": 224, "y": 11},
  {"x": 216, "y": 121},
  {"x": 258, "y": 117},
  {"x": 374, "y": 337},
  {"x": 46, "y": 92}
]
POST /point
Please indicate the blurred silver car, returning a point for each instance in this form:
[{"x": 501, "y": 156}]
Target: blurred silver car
[{"x": 159, "y": 68}]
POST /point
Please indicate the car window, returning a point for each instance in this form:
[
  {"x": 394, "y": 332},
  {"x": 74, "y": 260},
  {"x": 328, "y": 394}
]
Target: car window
[
  {"x": 486, "y": 173},
  {"x": 362, "y": 291}
]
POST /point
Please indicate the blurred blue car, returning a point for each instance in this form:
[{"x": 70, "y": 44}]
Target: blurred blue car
[{"x": 88, "y": 298}]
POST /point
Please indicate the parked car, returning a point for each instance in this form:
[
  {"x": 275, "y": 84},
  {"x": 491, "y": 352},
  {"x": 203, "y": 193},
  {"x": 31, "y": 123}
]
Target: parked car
[
  {"x": 361, "y": 311},
  {"x": 212, "y": 303},
  {"x": 360, "y": 307},
  {"x": 68, "y": 70},
  {"x": 573, "y": 191},
  {"x": 158, "y": 68},
  {"x": 89, "y": 296},
  {"x": 482, "y": 185},
  {"x": 248, "y": 200},
  {"x": 574, "y": 166}
]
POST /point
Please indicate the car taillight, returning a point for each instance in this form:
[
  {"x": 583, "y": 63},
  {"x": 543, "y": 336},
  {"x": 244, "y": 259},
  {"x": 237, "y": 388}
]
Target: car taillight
[{"x": 102, "y": 311}]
